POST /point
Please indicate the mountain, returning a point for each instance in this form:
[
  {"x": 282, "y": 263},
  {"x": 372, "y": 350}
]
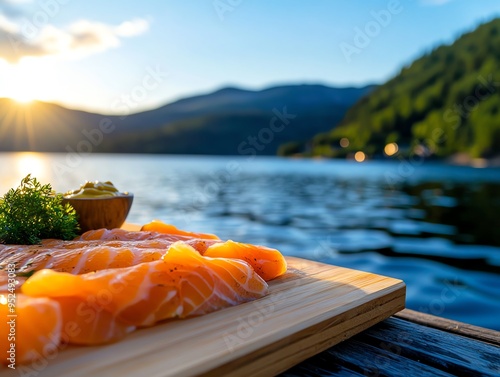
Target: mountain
[
  {"x": 222, "y": 122},
  {"x": 233, "y": 100},
  {"x": 43, "y": 127},
  {"x": 446, "y": 102},
  {"x": 225, "y": 122}
]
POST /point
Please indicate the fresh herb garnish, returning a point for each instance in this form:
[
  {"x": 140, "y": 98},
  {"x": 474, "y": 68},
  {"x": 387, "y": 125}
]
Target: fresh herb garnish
[
  {"x": 26, "y": 274},
  {"x": 33, "y": 212}
]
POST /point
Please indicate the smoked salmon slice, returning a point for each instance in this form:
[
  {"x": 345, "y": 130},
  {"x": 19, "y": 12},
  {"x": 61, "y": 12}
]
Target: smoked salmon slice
[
  {"x": 106, "y": 283},
  {"x": 79, "y": 257},
  {"x": 143, "y": 234},
  {"x": 268, "y": 263},
  {"x": 109, "y": 303},
  {"x": 101, "y": 249},
  {"x": 37, "y": 329},
  {"x": 161, "y": 227},
  {"x": 4, "y": 281},
  {"x": 78, "y": 261}
]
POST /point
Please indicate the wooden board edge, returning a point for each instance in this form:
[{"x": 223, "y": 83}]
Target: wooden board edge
[{"x": 315, "y": 339}]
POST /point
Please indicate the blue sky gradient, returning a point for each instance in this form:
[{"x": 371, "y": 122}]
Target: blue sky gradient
[{"x": 205, "y": 45}]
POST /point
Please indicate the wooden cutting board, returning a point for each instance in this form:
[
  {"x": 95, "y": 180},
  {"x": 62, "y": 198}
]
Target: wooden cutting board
[{"x": 311, "y": 308}]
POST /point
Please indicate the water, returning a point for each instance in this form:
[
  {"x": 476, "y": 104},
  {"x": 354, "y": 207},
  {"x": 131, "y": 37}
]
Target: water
[{"x": 434, "y": 226}]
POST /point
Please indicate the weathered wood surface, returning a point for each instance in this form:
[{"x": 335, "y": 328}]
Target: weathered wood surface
[
  {"x": 399, "y": 347},
  {"x": 464, "y": 329}
]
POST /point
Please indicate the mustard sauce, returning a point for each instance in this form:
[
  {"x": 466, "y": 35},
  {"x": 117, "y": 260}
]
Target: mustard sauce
[{"x": 94, "y": 189}]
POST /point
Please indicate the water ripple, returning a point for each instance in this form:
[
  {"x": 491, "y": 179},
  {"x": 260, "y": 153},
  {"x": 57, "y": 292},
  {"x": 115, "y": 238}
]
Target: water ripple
[{"x": 436, "y": 227}]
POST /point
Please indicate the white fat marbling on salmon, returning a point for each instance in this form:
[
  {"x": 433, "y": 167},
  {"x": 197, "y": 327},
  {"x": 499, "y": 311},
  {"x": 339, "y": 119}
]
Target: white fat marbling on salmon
[{"x": 182, "y": 283}]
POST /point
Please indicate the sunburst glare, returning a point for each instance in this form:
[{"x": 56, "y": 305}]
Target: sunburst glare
[
  {"x": 29, "y": 80},
  {"x": 31, "y": 163}
]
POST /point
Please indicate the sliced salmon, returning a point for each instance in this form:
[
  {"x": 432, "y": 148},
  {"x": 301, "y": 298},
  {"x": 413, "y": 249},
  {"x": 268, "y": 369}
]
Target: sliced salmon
[
  {"x": 161, "y": 227},
  {"x": 4, "y": 281},
  {"x": 109, "y": 303},
  {"x": 268, "y": 263},
  {"x": 79, "y": 257},
  {"x": 142, "y": 235},
  {"x": 120, "y": 248},
  {"x": 81, "y": 260},
  {"x": 37, "y": 328}
]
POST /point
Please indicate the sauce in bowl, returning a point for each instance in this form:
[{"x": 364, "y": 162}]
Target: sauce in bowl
[{"x": 94, "y": 190}]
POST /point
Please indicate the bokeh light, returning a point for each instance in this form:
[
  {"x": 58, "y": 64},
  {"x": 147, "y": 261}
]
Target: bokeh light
[
  {"x": 359, "y": 156},
  {"x": 391, "y": 149},
  {"x": 344, "y": 142}
]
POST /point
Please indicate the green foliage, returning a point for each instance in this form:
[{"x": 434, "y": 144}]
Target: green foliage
[
  {"x": 449, "y": 100},
  {"x": 32, "y": 212},
  {"x": 290, "y": 148},
  {"x": 227, "y": 133}
]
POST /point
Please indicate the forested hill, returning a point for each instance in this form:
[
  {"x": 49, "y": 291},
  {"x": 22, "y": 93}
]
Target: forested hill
[
  {"x": 226, "y": 121},
  {"x": 222, "y": 122},
  {"x": 446, "y": 102}
]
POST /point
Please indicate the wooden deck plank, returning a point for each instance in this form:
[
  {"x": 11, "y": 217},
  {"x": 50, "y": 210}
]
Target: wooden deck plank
[
  {"x": 460, "y": 328},
  {"x": 322, "y": 366},
  {"x": 398, "y": 347},
  {"x": 363, "y": 359},
  {"x": 442, "y": 350}
]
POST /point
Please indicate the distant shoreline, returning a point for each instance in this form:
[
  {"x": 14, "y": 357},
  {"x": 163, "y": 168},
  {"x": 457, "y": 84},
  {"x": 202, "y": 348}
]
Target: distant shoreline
[{"x": 454, "y": 160}]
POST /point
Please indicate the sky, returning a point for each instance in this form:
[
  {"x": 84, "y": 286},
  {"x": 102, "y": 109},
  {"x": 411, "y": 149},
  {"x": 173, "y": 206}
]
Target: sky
[{"x": 126, "y": 56}]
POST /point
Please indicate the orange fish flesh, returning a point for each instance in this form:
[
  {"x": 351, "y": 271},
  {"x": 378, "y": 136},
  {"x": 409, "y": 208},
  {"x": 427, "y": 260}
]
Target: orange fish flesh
[
  {"x": 34, "y": 338},
  {"x": 109, "y": 303},
  {"x": 161, "y": 227}
]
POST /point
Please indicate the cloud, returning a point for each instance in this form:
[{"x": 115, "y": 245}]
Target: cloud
[
  {"x": 12, "y": 47},
  {"x": 20, "y": 39},
  {"x": 132, "y": 28},
  {"x": 6, "y": 25},
  {"x": 10, "y": 7}
]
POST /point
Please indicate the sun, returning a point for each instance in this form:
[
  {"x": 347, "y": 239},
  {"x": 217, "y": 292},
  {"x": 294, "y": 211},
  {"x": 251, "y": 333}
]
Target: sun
[
  {"x": 24, "y": 84},
  {"x": 28, "y": 80},
  {"x": 22, "y": 97}
]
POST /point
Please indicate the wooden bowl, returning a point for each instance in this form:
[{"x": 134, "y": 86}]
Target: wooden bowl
[{"x": 96, "y": 213}]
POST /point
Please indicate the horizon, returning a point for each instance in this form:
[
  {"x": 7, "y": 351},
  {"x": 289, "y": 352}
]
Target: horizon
[
  {"x": 278, "y": 85},
  {"x": 87, "y": 57}
]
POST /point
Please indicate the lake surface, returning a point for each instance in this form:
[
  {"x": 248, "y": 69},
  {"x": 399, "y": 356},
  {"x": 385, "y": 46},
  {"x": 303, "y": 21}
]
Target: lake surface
[{"x": 436, "y": 227}]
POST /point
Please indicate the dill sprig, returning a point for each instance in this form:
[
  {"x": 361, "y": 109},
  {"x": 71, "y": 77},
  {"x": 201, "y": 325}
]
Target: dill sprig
[{"x": 33, "y": 212}]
